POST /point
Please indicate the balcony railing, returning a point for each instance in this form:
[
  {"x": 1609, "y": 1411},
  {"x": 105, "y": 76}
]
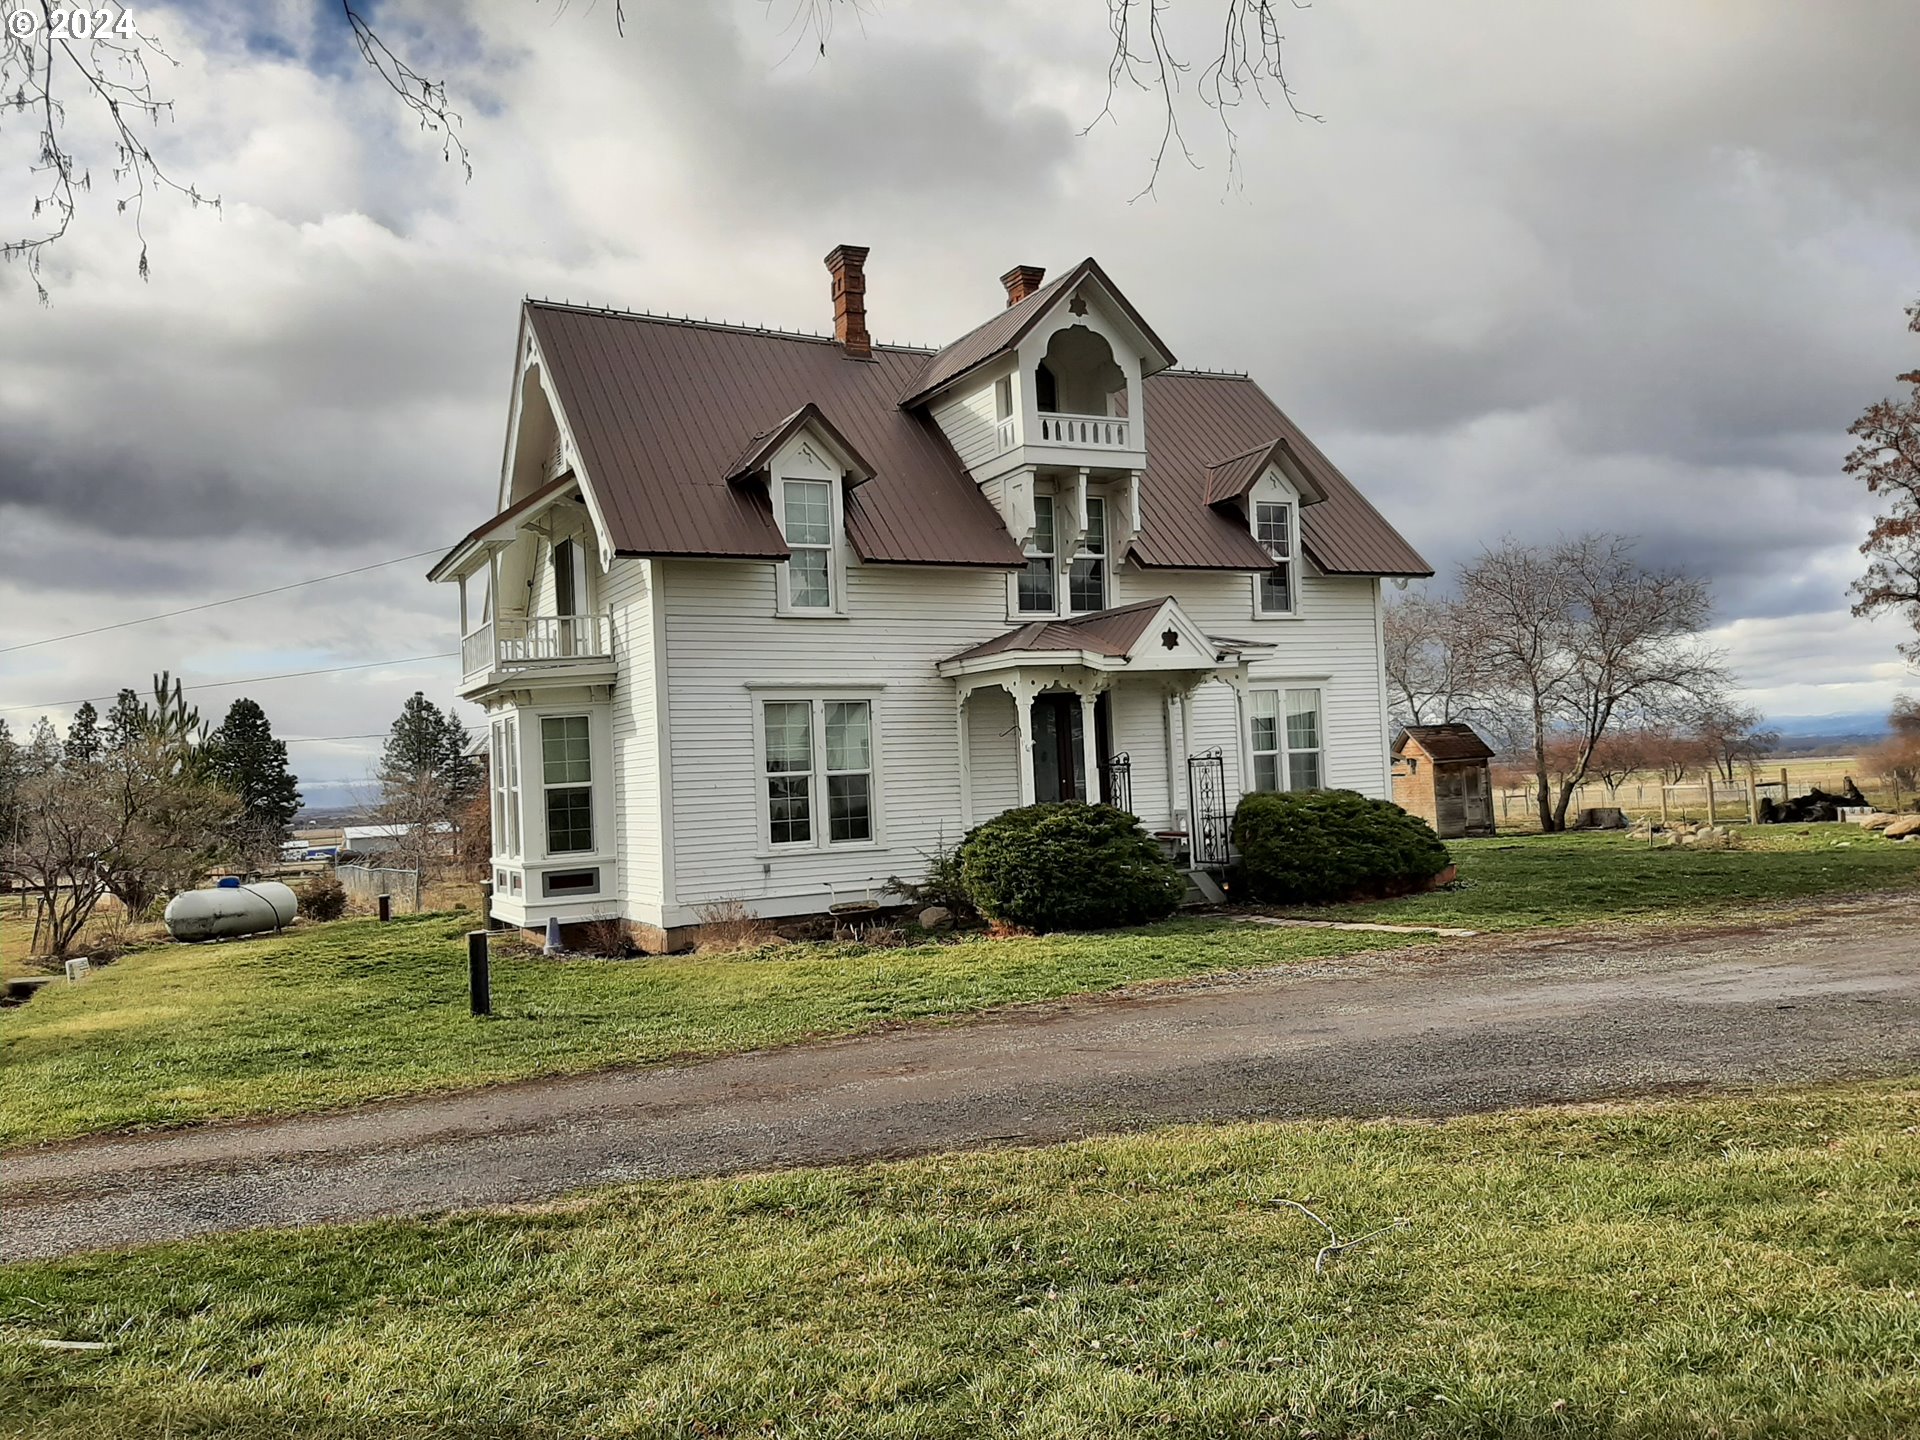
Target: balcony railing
[
  {"x": 1093, "y": 432},
  {"x": 512, "y": 642}
]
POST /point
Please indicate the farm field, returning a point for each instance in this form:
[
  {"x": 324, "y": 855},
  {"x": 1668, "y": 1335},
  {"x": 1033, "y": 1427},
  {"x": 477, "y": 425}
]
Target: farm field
[
  {"x": 1729, "y": 1267},
  {"x": 1639, "y": 794}
]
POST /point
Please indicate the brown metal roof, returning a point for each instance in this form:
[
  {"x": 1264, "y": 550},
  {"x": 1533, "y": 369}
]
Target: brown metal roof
[
  {"x": 1009, "y": 327},
  {"x": 1104, "y": 632},
  {"x": 1192, "y": 420},
  {"x": 662, "y": 410},
  {"x": 565, "y": 481},
  {"x": 1451, "y": 741}
]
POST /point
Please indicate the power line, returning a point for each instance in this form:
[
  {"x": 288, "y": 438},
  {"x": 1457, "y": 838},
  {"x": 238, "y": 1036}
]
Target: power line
[
  {"x": 215, "y": 604},
  {"x": 252, "y": 680},
  {"x": 328, "y": 739}
]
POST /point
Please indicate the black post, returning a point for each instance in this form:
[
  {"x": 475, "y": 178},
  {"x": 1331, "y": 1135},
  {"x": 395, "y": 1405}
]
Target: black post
[
  {"x": 479, "y": 983},
  {"x": 386, "y": 908}
]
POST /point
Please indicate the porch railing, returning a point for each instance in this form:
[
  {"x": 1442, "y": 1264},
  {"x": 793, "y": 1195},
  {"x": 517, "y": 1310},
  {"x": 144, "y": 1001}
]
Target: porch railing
[
  {"x": 1116, "y": 782},
  {"x": 1211, "y": 832},
  {"x": 517, "y": 640},
  {"x": 1094, "y": 432}
]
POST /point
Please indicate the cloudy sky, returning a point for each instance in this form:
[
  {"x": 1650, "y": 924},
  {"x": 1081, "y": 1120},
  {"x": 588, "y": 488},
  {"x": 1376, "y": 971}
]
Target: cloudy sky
[{"x": 1537, "y": 269}]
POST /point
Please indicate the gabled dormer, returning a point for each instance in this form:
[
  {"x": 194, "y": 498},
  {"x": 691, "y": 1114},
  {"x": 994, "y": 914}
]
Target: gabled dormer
[
  {"x": 806, "y": 468},
  {"x": 1265, "y": 489},
  {"x": 1053, "y": 380}
]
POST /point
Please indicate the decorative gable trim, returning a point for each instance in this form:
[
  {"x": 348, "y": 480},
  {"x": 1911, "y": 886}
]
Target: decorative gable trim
[
  {"x": 753, "y": 461},
  {"x": 1005, "y": 331},
  {"x": 1228, "y": 481}
]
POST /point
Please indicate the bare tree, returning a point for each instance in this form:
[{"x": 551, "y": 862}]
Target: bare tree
[
  {"x": 1580, "y": 639},
  {"x": 1730, "y": 734},
  {"x": 1888, "y": 459},
  {"x": 1433, "y": 666}
]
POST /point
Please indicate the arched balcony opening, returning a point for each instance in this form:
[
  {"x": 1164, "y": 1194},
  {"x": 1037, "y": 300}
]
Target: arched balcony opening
[{"x": 1080, "y": 391}]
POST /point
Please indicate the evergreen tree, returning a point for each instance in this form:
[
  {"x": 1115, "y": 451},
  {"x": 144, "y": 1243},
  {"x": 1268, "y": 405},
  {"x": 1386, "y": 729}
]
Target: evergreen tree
[
  {"x": 427, "y": 779},
  {"x": 126, "y": 723},
  {"x": 43, "y": 748},
  {"x": 83, "y": 736},
  {"x": 12, "y": 772},
  {"x": 428, "y": 746},
  {"x": 246, "y": 761}
]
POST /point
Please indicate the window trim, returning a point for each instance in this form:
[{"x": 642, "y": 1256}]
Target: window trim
[
  {"x": 836, "y": 579},
  {"x": 1098, "y": 558},
  {"x": 1283, "y": 751},
  {"x": 1286, "y": 557},
  {"x": 818, "y": 814},
  {"x": 1033, "y": 552},
  {"x": 547, "y": 788}
]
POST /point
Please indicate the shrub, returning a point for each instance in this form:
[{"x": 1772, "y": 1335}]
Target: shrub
[
  {"x": 1316, "y": 846},
  {"x": 944, "y": 885},
  {"x": 729, "y": 925},
  {"x": 323, "y": 898},
  {"x": 1068, "y": 865}
]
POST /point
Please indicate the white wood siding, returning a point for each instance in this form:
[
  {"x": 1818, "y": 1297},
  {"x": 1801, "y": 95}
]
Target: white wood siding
[
  {"x": 629, "y": 594},
  {"x": 1333, "y": 644},
  {"x": 722, "y": 637},
  {"x": 970, "y": 425}
]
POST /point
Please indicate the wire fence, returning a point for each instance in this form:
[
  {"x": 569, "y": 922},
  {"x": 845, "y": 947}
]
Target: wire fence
[{"x": 1698, "y": 797}]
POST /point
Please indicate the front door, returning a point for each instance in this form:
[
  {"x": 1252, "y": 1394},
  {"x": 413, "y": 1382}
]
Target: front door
[
  {"x": 1059, "y": 758},
  {"x": 1059, "y": 748}
]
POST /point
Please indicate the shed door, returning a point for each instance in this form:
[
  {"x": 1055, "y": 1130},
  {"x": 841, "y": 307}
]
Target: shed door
[
  {"x": 1450, "y": 800},
  {"x": 1479, "y": 800}
]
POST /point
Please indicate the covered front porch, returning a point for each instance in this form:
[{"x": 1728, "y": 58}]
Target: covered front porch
[{"x": 1135, "y": 706}]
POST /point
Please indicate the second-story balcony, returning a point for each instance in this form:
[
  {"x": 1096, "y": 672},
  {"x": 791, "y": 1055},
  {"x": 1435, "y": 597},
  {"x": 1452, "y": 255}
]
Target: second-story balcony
[
  {"x": 518, "y": 644},
  {"x": 1085, "y": 432}
]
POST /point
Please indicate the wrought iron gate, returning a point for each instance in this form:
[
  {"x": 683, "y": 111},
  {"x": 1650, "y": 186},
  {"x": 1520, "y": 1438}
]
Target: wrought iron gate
[
  {"x": 1207, "y": 792},
  {"x": 1116, "y": 782}
]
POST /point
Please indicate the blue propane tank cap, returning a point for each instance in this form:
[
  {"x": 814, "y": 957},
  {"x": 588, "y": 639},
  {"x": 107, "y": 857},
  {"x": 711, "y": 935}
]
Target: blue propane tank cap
[{"x": 227, "y": 882}]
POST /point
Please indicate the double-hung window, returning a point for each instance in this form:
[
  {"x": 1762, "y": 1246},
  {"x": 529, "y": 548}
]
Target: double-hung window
[
  {"x": 817, "y": 766},
  {"x": 506, "y": 788},
  {"x": 1273, "y": 528},
  {"x": 1037, "y": 594},
  {"x": 807, "y": 522},
  {"x": 566, "y": 761},
  {"x": 1286, "y": 740},
  {"x": 1087, "y": 580}
]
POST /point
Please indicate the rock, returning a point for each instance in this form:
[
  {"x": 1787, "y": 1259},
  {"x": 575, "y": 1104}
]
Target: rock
[
  {"x": 934, "y": 916},
  {"x": 1904, "y": 825},
  {"x": 1876, "y": 822}
]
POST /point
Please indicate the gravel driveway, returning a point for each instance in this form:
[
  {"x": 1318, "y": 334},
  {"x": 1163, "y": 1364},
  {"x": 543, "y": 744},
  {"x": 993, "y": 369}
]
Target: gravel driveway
[{"x": 1471, "y": 1026}]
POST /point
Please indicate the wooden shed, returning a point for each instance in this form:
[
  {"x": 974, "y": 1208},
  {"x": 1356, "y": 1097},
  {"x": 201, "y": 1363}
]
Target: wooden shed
[{"x": 1440, "y": 773}]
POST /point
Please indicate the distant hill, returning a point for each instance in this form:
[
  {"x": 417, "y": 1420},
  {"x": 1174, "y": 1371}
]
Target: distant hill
[{"x": 1828, "y": 734}]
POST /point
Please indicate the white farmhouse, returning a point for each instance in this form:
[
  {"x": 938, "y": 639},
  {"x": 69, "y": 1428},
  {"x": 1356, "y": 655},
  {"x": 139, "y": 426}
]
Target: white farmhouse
[{"x": 767, "y": 618}]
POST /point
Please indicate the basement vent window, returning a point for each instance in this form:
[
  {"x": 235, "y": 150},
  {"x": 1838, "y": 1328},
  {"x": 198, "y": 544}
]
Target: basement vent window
[{"x": 569, "y": 882}]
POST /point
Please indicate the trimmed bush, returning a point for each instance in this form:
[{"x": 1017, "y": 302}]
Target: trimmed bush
[
  {"x": 1068, "y": 866},
  {"x": 1319, "y": 846}
]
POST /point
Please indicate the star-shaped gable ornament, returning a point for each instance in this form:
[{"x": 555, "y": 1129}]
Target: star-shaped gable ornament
[{"x": 1077, "y": 306}]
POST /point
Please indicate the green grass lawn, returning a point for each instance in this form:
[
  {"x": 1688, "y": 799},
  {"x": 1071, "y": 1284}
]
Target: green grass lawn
[
  {"x": 1740, "y": 1267},
  {"x": 353, "y": 1011},
  {"x": 1515, "y": 882}
]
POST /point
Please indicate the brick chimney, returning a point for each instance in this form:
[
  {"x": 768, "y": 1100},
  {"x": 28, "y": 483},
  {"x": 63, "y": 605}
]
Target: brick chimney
[
  {"x": 848, "y": 266},
  {"x": 1021, "y": 281}
]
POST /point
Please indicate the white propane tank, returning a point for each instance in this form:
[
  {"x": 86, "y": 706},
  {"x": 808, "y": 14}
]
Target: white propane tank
[{"x": 229, "y": 910}]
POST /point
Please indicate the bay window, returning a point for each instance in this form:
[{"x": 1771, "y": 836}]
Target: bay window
[
  {"x": 1285, "y": 739},
  {"x": 817, "y": 753},
  {"x": 566, "y": 758}
]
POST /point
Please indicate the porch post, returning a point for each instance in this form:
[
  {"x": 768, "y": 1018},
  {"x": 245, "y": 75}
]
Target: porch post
[
  {"x": 1022, "y": 692},
  {"x": 1243, "y": 746},
  {"x": 966, "y": 755},
  {"x": 1090, "y": 744},
  {"x": 1186, "y": 753}
]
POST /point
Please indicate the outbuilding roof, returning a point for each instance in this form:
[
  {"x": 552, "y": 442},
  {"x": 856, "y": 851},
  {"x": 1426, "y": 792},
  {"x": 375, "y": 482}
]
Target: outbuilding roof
[{"x": 1451, "y": 741}]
